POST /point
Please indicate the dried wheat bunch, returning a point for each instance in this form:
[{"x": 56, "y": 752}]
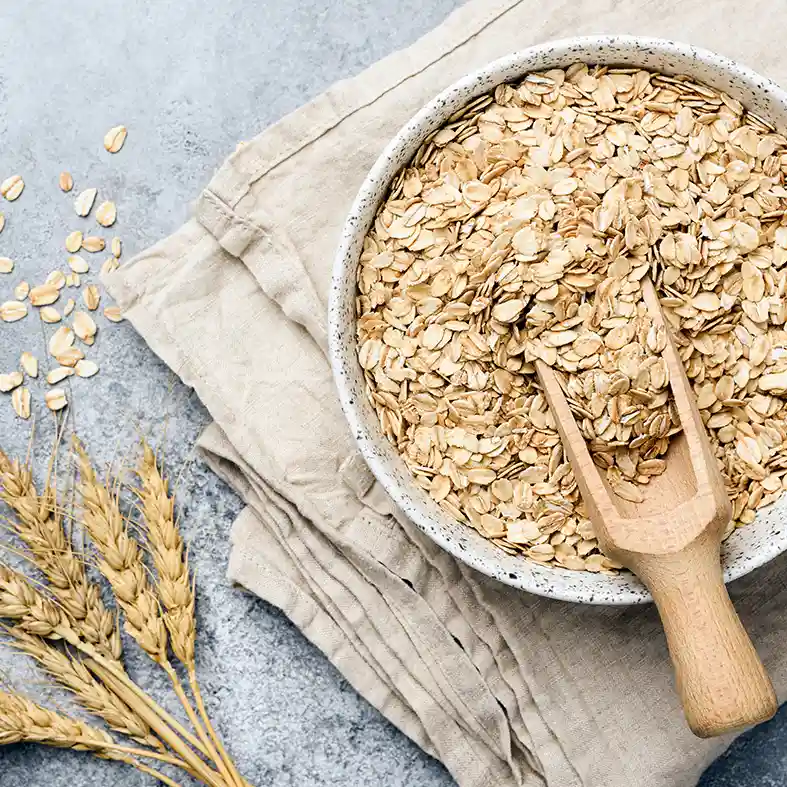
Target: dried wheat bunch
[
  {"x": 35, "y": 613},
  {"x": 69, "y": 608}
]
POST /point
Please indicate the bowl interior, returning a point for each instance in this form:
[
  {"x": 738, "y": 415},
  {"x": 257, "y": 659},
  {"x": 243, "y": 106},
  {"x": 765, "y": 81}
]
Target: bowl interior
[{"x": 748, "y": 547}]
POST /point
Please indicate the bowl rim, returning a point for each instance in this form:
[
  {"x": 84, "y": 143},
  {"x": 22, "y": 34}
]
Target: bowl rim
[{"x": 342, "y": 267}]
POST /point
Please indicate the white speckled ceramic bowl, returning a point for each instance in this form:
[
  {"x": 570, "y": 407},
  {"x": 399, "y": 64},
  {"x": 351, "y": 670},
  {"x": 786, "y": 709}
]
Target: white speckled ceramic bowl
[{"x": 748, "y": 547}]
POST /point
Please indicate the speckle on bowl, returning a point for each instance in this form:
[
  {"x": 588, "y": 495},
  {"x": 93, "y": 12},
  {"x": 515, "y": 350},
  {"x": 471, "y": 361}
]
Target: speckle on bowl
[{"x": 748, "y": 547}]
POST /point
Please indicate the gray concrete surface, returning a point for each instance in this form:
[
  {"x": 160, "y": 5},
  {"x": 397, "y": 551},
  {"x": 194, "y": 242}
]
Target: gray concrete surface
[{"x": 190, "y": 79}]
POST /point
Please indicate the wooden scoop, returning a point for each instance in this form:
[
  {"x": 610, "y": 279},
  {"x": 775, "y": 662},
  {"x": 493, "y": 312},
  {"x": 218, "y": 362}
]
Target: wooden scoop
[{"x": 671, "y": 541}]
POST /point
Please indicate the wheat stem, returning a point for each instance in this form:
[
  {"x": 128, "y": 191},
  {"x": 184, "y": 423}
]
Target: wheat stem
[
  {"x": 207, "y": 774},
  {"x": 151, "y": 755},
  {"x": 195, "y": 722},
  {"x": 149, "y": 771},
  {"x": 131, "y": 688},
  {"x": 195, "y": 689}
]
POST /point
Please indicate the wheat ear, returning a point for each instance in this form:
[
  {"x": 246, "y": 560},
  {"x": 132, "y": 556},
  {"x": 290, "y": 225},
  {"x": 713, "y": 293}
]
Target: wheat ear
[
  {"x": 121, "y": 561},
  {"x": 22, "y": 720},
  {"x": 175, "y": 588},
  {"x": 39, "y": 525},
  {"x": 165, "y": 545},
  {"x": 33, "y": 611},
  {"x": 71, "y": 673}
]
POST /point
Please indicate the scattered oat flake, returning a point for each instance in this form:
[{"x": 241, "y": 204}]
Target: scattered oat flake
[
  {"x": 84, "y": 326},
  {"x": 106, "y": 214},
  {"x": 56, "y": 279},
  {"x": 85, "y": 368},
  {"x": 70, "y": 357},
  {"x": 117, "y": 247},
  {"x": 91, "y": 296},
  {"x": 69, "y": 307},
  {"x": 115, "y": 138},
  {"x": 6, "y": 265},
  {"x": 93, "y": 244},
  {"x": 74, "y": 242},
  {"x": 56, "y": 399},
  {"x": 12, "y": 187},
  {"x": 10, "y": 381},
  {"x": 59, "y": 374},
  {"x": 49, "y": 314},
  {"x": 21, "y": 290},
  {"x": 78, "y": 264},
  {"x": 65, "y": 181},
  {"x": 113, "y": 314},
  {"x": 110, "y": 264},
  {"x": 29, "y": 364},
  {"x": 44, "y": 294},
  {"x": 2, "y": 221},
  {"x": 83, "y": 204},
  {"x": 61, "y": 340},
  {"x": 11, "y": 311},
  {"x": 20, "y": 401}
]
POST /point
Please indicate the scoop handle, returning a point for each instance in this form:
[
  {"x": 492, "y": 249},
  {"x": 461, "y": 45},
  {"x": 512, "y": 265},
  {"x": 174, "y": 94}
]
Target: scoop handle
[{"x": 721, "y": 681}]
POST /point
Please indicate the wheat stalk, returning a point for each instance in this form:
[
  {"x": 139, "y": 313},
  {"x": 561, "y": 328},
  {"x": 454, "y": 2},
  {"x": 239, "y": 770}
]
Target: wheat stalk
[
  {"x": 71, "y": 673},
  {"x": 39, "y": 525},
  {"x": 165, "y": 545},
  {"x": 175, "y": 589},
  {"x": 22, "y": 720},
  {"x": 121, "y": 563},
  {"x": 197, "y": 767}
]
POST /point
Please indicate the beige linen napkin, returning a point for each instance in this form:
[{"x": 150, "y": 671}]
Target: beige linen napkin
[{"x": 505, "y": 688}]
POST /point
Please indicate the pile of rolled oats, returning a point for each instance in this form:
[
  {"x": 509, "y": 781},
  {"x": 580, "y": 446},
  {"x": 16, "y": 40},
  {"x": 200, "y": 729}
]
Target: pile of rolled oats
[{"x": 522, "y": 229}]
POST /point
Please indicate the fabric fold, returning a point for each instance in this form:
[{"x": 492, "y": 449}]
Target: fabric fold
[{"x": 505, "y": 688}]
